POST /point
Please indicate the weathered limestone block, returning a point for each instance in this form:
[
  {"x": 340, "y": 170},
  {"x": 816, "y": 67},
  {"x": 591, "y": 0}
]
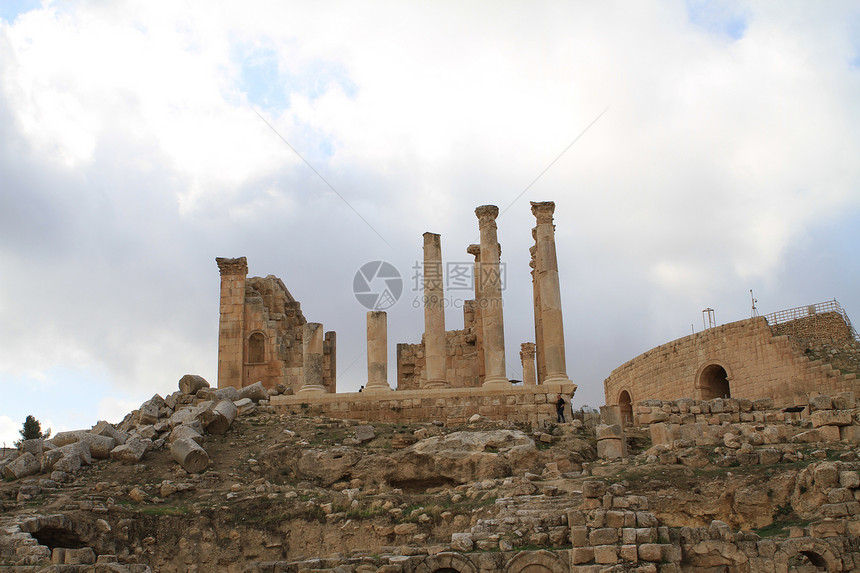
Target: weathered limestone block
[
  {"x": 24, "y": 465},
  {"x": 826, "y": 475},
  {"x": 849, "y": 479},
  {"x": 831, "y": 418},
  {"x": 608, "y": 431},
  {"x": 181, "y": 416},
  {"x": 35, "y": 446},
  {"x": 610, "y": 449},
  {"x": 220, "y": 417},
  {"x": 148, "y": 413},
  {"x": 850, "y": 434},
  {"x": 763, "y": 404},
  {"x": 188, "y": 453},
  {"x": 828, "y": 433},
  {"x": 844, "y": 401},
  {"x": 606, "y": 554},
  {"x": 581, "y": 555},
  {"x": 191, "y": 383},
  {"x": 364, "y": 433},
  {"x": 65, "y": 438},
  {"x": 603, "y": 536},
  {"x": 216, "y": 394},
  {"x": 662, "y": 433},
  {"x": 820, "y": 402},
  {"x": 186, "y": 432},
  {"x": 103, "y": 428},
  {"x": 768, "y": 456},
  {"x": 85, "y": 555},
  {"x": 651, "y": 552},
  {"x": 809, "y": 436},
  {"x": 244, "y": 406},
  {"x": 130, "y": 452},
  {"x": 462, "y": 542},
  {"x": 593, "y": 489},
  {"x": 68, "y": 463},
  {"x": 255, "y": 392},
  {"x": 99, "y": 446}
]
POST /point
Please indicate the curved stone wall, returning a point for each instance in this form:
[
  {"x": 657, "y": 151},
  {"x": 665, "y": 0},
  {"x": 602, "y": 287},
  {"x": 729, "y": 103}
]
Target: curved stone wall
[{"x": 743, "y": 359}]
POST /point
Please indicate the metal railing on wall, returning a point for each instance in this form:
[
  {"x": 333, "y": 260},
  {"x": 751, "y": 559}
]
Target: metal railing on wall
[{"x": 790, "y": 314}]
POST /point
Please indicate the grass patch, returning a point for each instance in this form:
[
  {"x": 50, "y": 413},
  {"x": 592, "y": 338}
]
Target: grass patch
[{"x": 170, "y": 510}]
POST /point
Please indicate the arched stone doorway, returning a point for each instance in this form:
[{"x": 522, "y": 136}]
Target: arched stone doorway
[
  {"x": 806, "y": 554},
  {"x": 625, "y": 405},
  {"x": 446, "y": 562},
  {"x": 713, "y": 382},
  {"x": 536, "y": 562}
]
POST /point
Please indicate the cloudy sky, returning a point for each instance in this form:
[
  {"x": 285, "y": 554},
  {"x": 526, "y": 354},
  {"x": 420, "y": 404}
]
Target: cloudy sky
[{"x": 716, "y": 149}]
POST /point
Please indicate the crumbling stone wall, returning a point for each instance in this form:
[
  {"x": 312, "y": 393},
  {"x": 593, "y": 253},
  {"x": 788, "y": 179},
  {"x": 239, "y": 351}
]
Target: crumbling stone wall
[
  {"x": 260, "y": 337},
  {"x": 462, "y": 349},
  {"x": 817, "y": 326},
  {"x": 747, "y": 356}
]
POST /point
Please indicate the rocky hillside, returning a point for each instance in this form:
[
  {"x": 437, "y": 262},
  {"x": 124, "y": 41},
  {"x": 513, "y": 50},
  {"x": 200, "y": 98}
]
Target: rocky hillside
[{"x": 279, "y": 491}]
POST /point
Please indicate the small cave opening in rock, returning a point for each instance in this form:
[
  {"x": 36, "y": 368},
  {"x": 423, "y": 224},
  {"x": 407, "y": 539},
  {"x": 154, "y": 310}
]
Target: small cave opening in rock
[
  {"x": 420, "y": 485},
  {"x": 53, "y": 537}
]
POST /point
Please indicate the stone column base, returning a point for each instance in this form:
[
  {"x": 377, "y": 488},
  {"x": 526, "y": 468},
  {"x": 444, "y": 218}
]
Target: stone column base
[{"x": 312, "y": 390}]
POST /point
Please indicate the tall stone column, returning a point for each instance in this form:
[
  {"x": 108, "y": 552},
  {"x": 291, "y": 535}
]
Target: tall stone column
[
  {"x": 434, "y": 313},
  {"x": 541, "y": 363},
  {"x": 377, "y": 352},
  {"x": 475, "y": 250},
  {"x": 312, "y": 367},
  {"x": 231, "y": 326},
  {"x": 491, "y": 299},
  {"x": 546, "y": 269},
  {"x": 527, "y": 355}
]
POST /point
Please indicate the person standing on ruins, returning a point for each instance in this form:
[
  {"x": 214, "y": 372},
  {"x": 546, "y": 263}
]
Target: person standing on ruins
[{"x": 559, "y": 408}]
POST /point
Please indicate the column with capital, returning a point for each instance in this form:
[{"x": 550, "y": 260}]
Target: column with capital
[
  {"x": 377, "y": 352},
  {"x": 541, "y": 364},
  {"x": 527, "y": 355},
  {"x": 492, "y": 317},
  {"x": 231, "y": 325},
  {"x": 312, "y": 365},
  {"x": 475, "y": 251},
  {"x": 546, "y": 273},
  {"x": 434, "y": 313}
]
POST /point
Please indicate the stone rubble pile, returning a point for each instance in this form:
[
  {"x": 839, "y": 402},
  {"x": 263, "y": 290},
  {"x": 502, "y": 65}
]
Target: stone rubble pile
[{"x": 180, "y": 421}]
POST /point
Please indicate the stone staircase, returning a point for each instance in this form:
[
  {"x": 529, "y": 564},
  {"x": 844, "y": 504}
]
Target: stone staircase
[{"x": 539, "y": 520}]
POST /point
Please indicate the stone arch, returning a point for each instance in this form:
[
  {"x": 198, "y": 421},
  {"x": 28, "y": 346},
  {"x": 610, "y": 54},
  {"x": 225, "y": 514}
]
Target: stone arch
[
  {"x": 446, "y": 562},
  {"x": 536, "y": 562},
  {"x": 625, "y": 406},
  {"x": 712, "y": 380},
  {"x": 807, "y": 550},
  {"x": 256, "y": 348}
]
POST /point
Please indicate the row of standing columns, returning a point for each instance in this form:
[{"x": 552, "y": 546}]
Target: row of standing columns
[
  {"x": 546, "y": 354},
  {"x": 548, "y": 348}
]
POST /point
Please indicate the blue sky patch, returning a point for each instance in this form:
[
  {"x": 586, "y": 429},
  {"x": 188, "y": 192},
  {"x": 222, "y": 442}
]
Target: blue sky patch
[
  {"x": 269, "y": 86},
  {"x": 11, "y": 9},
  {"x": 716, "y": 17}
]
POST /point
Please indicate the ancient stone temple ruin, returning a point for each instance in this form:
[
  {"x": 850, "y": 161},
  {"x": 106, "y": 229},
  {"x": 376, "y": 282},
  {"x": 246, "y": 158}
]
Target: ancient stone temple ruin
[
  {"x": 449, "y": 375},
  {"x": 263, "y": 335}
]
